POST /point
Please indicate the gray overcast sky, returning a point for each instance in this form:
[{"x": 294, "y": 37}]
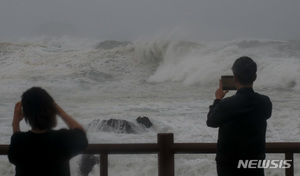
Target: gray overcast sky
[{"x": 131, "y": 19}]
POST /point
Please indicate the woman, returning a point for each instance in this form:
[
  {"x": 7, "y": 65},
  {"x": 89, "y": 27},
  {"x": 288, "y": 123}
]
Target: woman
[{"x": 42, "y": 150}]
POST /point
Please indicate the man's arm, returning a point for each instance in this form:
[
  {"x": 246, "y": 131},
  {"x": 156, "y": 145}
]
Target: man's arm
[
  {"x": 215, "y": 114},
  {"x": 268, "y": 108}
]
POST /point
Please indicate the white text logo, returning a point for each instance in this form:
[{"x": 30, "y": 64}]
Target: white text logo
[{"x": 258, "y": 164}]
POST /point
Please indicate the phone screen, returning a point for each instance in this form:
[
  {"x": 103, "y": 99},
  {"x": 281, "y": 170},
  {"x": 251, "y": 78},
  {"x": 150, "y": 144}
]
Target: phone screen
[{"x": 228, "y": 83}]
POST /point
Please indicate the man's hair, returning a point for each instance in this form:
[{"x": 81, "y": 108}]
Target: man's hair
[
  {"x": 39, "y": 109},
  {"x": 244, "y": 69}
]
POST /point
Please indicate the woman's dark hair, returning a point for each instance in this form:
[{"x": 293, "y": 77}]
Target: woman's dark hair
[
  {"x": 39, "y": 109},
  {"x": 244, "y": 69}
]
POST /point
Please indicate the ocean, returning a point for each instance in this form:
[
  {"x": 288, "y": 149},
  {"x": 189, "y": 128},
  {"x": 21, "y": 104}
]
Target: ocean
[{"x": 171, "y": 81}]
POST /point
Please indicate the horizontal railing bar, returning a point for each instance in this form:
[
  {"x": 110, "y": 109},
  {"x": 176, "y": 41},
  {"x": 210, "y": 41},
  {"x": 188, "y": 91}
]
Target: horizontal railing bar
[
  {"x": 190, "y": 148},
  {"x": 4, "y": 149},
  {"x": 179, "y": 148},
  {"x": 136, "y": 148},
  {"x": 283, "y": 147},
  {"x": 272, "y": 147}
]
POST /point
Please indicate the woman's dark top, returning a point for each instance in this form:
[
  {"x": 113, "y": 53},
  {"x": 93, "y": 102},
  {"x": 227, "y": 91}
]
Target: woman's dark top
[
  {"x": 242, "y": 121},
  {"x": 47, "y": 153}
]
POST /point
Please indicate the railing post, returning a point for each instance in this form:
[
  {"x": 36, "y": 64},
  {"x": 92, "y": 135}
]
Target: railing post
[
  {"x": 165, "y": 154},
  {"x": 103, "y": 164},
  {"x": 290, "y": 171}
]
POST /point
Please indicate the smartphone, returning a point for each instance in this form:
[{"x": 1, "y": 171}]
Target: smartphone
[{"x": 228, "y": 82}]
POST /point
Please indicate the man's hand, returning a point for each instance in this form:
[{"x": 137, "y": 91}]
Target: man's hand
[{"x": 220, "y": 93}]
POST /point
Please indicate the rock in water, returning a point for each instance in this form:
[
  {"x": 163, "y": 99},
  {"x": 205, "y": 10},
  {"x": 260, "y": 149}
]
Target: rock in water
[
  {"x": 144, "y": 121},
  {"x": 115, "y": 126},
  {"x": 111, "y": 44}
]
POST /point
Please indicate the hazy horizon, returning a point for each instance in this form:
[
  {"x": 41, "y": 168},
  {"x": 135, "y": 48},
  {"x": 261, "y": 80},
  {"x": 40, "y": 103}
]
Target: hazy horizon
[{"x": 133, "y": 19}]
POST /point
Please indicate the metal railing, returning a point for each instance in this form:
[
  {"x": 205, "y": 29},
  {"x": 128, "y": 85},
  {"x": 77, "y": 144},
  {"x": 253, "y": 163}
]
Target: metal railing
[{"x": 165, "y": 148}]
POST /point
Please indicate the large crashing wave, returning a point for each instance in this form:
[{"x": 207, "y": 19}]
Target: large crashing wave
[{"x": 194, "y": 63}]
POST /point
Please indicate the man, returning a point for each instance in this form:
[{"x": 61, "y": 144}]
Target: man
[{"x": 242, "y": 121}]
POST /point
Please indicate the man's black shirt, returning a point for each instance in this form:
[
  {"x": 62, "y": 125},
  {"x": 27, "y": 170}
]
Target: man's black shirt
[{"x": 242, "y": 121}]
